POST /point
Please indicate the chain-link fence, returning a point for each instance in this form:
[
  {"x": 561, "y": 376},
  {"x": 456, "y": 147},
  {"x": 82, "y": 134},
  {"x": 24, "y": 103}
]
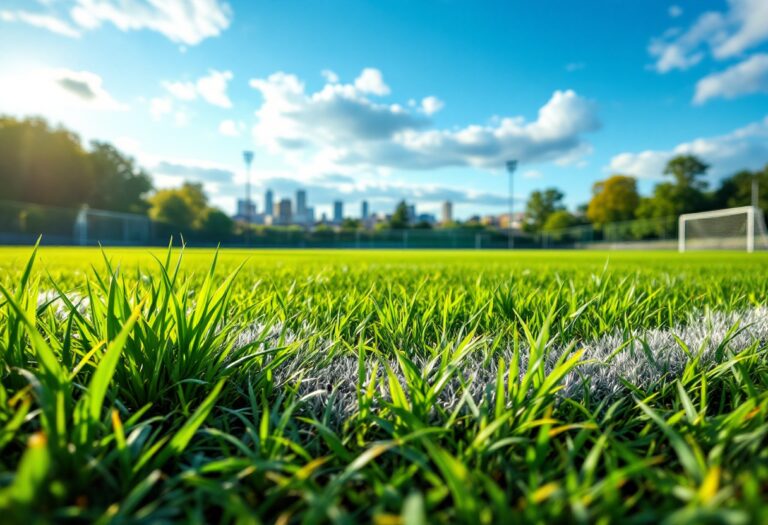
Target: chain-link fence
[{"x": 22, "y": 223}]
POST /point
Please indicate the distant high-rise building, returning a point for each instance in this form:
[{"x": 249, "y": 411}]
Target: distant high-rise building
[
  {"x": 283, "y": 213},
  {"x": 410, "y": 210},
  {"x": 245, "y": 208},
  {"x": 269, "y": 202},
  {"x": 338, "y": 211},
  {"x": 301, "y": 202},
  {"x": 364, "y": 210},
  {"x": 447, "y": 215}
]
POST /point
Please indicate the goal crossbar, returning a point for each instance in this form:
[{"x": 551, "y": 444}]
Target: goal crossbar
[{"x": 753, "y": 215}]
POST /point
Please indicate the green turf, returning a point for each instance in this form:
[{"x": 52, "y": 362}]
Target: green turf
[{"x": 172, "y": 390}]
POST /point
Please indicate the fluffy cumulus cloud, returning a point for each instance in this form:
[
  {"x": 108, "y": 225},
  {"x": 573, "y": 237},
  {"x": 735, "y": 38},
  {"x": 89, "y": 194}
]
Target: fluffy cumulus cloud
[
  {"x": 52, "y": 91},
  {"x": 431, "y": 105},
  {"x": 41, "y": 20},
  {"x": 744, "y": 148},
  {"x": 194, "y": 170},
  {"x": 745, "y": 78},
  {"x": 724, "y": 35},
  {"x": 342, "y": 125},
  {"x": 187, "y": 22},
  {"x": 211, "y": 88},
  {"x": 371, "y": 81},
  {"x": 230, "y": 128}
]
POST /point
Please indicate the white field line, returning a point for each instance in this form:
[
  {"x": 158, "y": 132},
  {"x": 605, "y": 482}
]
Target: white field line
[
  {"x": 601, "y": 366},
  {"x": 335, "y": 379}
]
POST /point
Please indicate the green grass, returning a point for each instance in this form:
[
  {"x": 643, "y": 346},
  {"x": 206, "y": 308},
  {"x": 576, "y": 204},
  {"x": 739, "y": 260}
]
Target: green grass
[{"x": 143, "y": 386}]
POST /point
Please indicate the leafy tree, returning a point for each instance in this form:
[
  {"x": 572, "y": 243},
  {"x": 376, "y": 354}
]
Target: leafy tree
[
  {"x": 183, "y": 208},
  {"x": 684, "y": 195},
  {"x": 687, "y": 171},
  {"x": 736, "y": 190},
  {"x": 559, "y": 220},
  {"x": 614, "y": 199},
  {"x": 542, "y": 204},
  {"x": 217, "y": 224},
  {"x": 186, "y": 210},
  {"x": 399, "y": 219},
  {"x": 41, "y": 164},
  {"x": 351, "y": 224},
  {"x": 117, "y": 182}
]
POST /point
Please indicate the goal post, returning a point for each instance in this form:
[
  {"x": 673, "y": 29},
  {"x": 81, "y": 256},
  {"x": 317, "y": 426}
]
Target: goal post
[
  {"x": 741, "y": 228},
  {"x": 93, "y": 226}
]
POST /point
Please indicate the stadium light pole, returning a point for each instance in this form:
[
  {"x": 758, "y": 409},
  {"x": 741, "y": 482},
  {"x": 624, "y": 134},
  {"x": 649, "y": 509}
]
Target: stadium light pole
[
  {"x": 511, "y": 167},
  {"x": 755, "y": 193},
  {"x": 248, "y": 158}
]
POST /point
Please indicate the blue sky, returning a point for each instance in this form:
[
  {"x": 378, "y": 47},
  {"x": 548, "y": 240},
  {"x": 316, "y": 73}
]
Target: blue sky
[{"x": 397, "y": 99}]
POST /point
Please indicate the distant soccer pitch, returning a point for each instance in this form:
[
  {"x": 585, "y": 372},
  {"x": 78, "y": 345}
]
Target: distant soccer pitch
[{"x": 383, "y": 386}]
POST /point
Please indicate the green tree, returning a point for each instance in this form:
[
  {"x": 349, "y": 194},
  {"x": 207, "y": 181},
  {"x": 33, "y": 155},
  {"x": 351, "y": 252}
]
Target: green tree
[
  {"x": 559, "y": 220},
  {"x": 614, "y": 199},
  {"x": 399, "y": 219},
  {"x": 183, "y": 208},
  {"x": 217, "y": 224},
  {"x": 687, "y": 170},
  {"x": 117, "y": 182},
  {"x": 736, "y": 190},
  {"x": 351, "y": 224},
  {"x": 684, "y": 195},
  {"x": 540, "y": 205},
  {"x": 42, "y": 165}
]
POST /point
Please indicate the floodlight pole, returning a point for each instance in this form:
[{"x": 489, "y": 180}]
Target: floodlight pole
[
  {"x": 248, "y": 158},
  {"x": 755, "y": 193},
  {"x": 511, "y": 167}
]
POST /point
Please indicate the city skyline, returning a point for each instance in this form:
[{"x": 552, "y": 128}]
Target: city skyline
[{"x": 426, "y": 108}]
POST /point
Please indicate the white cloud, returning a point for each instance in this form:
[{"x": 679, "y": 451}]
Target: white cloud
[
  {"x": 744, "y": 78},
  {"x": 744, "y": 148},
  {"x": 42, "y": 21},
  {"x": 675, "y": 11},
  {"x": 181, "y": 90},
  {"x": 339, "y": 126},
  {"x": 51, "y": 91},
  {"x": 160, "y": 107},
  {"x": 724, "y": 34},
  {"x": 330, "y": 76},
  {"x": 371, "y": 81},
  {"x": 533, "y": 174},
  {"x": 181, "y": 21},
  {"x": 431, "y": 105},
  {"x": 230, "y": 128},
  {"x": 212, "y": 88}
]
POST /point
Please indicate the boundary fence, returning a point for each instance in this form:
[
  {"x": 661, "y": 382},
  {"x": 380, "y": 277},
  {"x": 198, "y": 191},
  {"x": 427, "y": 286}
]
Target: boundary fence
[{"x": 22, "y": 223}]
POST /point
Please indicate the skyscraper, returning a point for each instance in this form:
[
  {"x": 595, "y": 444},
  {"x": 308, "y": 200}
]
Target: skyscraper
[
  {"x": 269, "y": 202},
  {"x": 411, "y": 211},
  {"x": 364, "y": 210},
  {"x": 301, "y": 203},
  {"x": 284, "y": 215},
  {"x": 338, "y": 211},
  {"x": 447, "y": 215}
]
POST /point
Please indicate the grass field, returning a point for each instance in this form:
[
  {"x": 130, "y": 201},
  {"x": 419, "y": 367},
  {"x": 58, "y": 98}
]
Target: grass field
[{"x": 143, "y": 386}]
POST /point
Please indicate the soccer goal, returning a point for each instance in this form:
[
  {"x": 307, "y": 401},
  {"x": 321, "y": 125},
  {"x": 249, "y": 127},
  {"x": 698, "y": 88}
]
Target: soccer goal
[
  {"x": 92, "y": 226},
  {"x": 730, "y": 229}
]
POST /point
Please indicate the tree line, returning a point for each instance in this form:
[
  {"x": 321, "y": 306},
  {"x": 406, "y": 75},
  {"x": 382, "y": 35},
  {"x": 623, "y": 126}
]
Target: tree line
[
  {"x": 47, "y": 165},
  {"x": 617, "y": 199}
]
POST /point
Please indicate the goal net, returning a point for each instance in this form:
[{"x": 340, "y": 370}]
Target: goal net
[
  {"x": 93, "y": 226},
  {"x": 730, "y": 229}
]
